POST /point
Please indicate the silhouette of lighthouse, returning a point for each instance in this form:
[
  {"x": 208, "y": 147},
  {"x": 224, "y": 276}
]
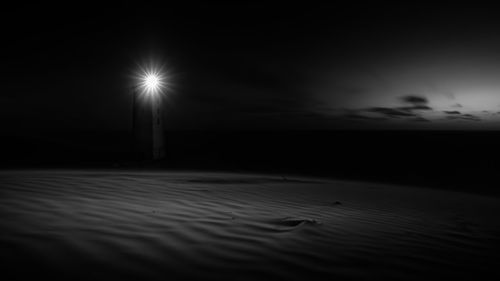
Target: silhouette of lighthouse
[{"x": 147, "y": 125}]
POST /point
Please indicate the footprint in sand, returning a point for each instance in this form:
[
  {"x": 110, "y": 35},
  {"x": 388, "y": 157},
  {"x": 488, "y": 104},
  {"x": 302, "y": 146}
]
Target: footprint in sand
[{"x": 294, "y": 223}]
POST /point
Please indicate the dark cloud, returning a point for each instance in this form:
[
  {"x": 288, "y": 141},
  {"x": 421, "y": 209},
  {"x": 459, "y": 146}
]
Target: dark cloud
[
  {"x": 457, "y": 105},
  {"x": 391, "y": 112},
  {"x": 410, "y": 113},
  {"x": 415, "y": 100},
  {"x": 452, "y": 112},
  {"x": 465, "y": 117},
  {"x": 416, "y": 107},
  {"x": 469, "y": 116},
  {"x": 357, "y": 116}
]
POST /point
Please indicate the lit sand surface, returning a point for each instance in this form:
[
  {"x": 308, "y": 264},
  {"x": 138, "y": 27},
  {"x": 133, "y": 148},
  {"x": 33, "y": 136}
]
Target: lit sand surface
[{"x": 81, "y": 225}]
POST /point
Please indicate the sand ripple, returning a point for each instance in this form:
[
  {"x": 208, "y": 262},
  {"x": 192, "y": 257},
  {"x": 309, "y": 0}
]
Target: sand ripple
[{"x": 76, "y": 225}]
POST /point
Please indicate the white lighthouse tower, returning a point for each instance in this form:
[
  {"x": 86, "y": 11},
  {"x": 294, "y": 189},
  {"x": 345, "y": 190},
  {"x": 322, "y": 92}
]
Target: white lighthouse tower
[{"x": 147, "y": 117}]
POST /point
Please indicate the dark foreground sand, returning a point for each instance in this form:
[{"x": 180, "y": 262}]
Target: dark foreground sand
[{"x": 206, "y": 226}]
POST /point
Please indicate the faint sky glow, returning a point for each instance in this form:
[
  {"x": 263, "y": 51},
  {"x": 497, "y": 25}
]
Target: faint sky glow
[{"x": 464, "y": 82}]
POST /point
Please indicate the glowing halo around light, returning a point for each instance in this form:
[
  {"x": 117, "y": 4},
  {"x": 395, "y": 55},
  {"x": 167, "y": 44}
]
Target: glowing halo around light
[{"x": 152, "y": 82}]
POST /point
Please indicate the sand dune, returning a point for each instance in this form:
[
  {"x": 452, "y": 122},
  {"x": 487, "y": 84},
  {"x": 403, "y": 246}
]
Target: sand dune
[{"x": 77, "y": 225}]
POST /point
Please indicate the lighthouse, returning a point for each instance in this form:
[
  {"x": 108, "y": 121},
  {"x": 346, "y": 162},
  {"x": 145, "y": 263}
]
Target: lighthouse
[{"x": 147, "y": 118}]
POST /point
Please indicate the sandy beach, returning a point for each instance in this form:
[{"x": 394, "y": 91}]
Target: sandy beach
[{"x": 123, "y": 225}]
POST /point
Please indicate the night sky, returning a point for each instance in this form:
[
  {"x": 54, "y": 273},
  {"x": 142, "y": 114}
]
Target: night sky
[{"x": 254, "y": 66}]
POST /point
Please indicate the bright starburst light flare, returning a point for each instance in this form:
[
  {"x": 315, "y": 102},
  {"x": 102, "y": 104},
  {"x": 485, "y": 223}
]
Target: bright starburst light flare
[{"x": 152, "y": 82}]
